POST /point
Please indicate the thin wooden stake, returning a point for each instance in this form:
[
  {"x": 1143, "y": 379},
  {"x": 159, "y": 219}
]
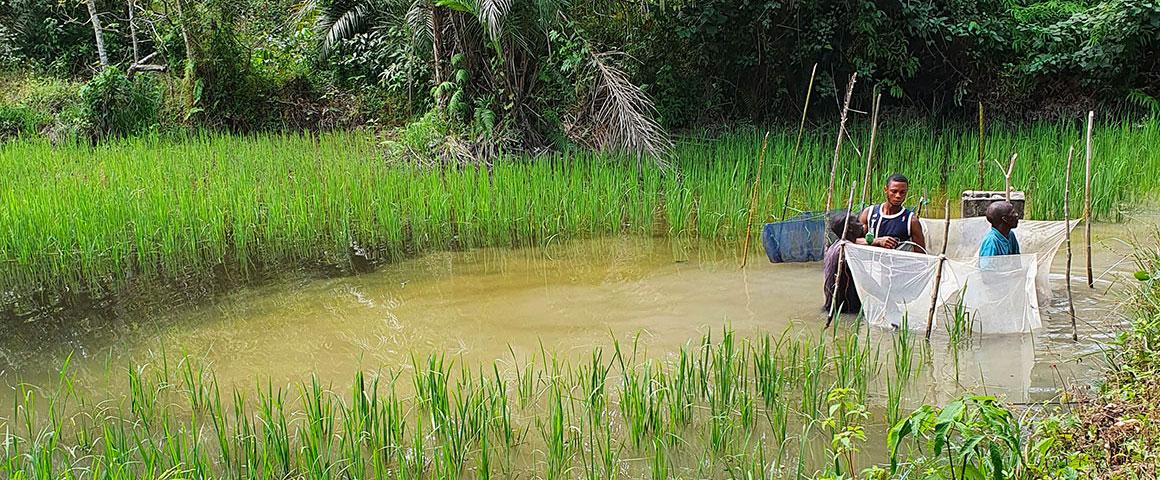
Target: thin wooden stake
[
  {"x": 841, "y": 255},
  {"x": 1087, "y": 199},
  {"x": 797, "y": 143},
  {"x": 942, "y": 259},
  {"x": 981, "y": 162},
  {"x": 838, "y": 145},
  {"x": 1067, "y": 240},
  {"x": 753, "y": 200},
  {"x": 947, "y": 225},
  {"x": 870, "y": 151}
]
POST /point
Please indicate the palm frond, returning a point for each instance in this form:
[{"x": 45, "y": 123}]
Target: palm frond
[
  {"x": 622, "y": 116},
  {"x": 419, "y": 20},
  {"x": 492, "y": 14},
  {"x": 303, "y": 10},
  {"x": 346, "y": 24}
]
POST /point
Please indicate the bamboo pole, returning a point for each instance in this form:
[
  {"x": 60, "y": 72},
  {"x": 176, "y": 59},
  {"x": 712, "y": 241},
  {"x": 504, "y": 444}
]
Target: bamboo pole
[
  {"x": 981, "y": 144},
  {"x": 797, "y": 143},
  {"x": 838, "y": 145},
  {"x": 1067, "y": 240},
  {"x": 870, "y": 151},
  {"x": 942, "y": 259},
  {"x": 753, "y": 200},
  {"x": 1087, "y": 199},
  {"x": 841, "y": 255}
]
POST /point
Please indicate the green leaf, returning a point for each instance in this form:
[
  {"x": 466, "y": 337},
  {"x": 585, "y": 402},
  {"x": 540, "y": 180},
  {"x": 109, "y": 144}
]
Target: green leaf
[
  {"x": 457, "y": 5},
  {"x": 894, "y": 438},
  {"x": 996, "y": 463},
  {"x": 970, "y": 472},
  {"x": 950, "y": 413},
  {"x": 1142, "y": 276}
]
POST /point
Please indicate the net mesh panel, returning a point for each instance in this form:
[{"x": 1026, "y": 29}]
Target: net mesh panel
[
  {"x": 1002, "y": 294},
  {"x": 799, "y": 239}
]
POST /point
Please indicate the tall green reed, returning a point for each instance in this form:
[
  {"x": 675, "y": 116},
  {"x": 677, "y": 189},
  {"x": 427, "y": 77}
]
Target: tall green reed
[{"x": 154, "y": 206}]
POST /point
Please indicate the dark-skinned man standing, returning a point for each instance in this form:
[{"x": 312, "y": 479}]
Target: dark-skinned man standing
[{"x": 889, "y": 224}]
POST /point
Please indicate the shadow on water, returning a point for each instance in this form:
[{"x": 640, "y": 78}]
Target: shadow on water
[{"x": 46, "y": 323}]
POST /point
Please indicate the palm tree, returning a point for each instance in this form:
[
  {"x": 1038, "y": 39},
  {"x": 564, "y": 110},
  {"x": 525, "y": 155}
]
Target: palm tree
[{"x": 503, "y": 44}]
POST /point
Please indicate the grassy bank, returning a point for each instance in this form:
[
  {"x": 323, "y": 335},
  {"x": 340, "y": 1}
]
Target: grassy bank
[
  {"x": 1117, "y": 435},
  {"x": 149, "y": 206}
]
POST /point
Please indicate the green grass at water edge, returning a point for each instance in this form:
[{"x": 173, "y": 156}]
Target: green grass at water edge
[
  {"x": 76, "y": 215},
  {"x": 705, "y": 413}
]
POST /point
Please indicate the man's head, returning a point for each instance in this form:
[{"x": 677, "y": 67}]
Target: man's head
[
  {"x": 897, "y": 186},
  {"x": 1002, "y": 215},
  {"x": 838, "y": 224}
]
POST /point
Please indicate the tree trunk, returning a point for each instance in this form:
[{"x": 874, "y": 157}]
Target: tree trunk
[
  {"x": 133, "y": 32},
  {"x": 97, "y": 32},
  {"x": 181, "y": 21},
  {"x": 437, "y": 51}
]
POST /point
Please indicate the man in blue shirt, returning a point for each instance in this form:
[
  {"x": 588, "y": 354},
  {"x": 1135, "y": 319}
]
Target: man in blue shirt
[{"x": 1001, "y": 239}]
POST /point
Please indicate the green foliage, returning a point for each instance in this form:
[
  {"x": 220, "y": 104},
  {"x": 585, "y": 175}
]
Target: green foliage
[
  {"x": 116, "y": 105},
  {"x": 45, "y": 34},
  {"x": 419, "y": 138},
  {"x": 16, "y": 121},
  {"x": 846, "y": 423},
  {"x": 1101, "y": 46},
  {"x": 1145, "y": 102},
  {"x": 262, "y": 64},
  {"x": 980, "y": 438},
  {"x": 454, "y": 91},
  {"x": 1114, "y": 435}
]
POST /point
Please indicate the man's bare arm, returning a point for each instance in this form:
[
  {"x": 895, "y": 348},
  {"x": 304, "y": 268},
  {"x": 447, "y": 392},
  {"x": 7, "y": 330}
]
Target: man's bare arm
[
  {"x": 916, "y": 234},
  {"x": 863, "y": 218}
]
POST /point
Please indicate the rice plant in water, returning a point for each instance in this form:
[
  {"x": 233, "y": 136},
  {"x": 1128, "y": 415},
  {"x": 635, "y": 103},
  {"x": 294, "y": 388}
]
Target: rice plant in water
[{"x": 162, "y": 206}]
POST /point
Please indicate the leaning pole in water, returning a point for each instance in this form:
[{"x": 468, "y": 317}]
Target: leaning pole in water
[
  {"x": 797, "y": 144},
  {"x": 870, "y": 153},
  {"x": 753, "y": 200},
  {"x": 942, "y": 259},
  {"x": 980, "y": 182},
  {"x": 1067, "y": 239},
  {"x": 841, "y": 255},
  {"x": 838, "y": 145},
  {"x": 1087, "y": 199}
]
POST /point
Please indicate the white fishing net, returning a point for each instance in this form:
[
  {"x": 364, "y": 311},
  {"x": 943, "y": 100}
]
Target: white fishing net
[{"x": 1001, "y": 294}]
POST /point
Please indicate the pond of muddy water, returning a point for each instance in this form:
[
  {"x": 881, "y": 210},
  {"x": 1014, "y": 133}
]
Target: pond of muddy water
[{"x": 566, "y": 297}]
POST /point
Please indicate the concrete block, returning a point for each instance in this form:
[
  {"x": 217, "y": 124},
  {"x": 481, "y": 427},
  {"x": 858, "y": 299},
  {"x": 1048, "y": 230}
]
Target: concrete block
[{"x": 975, "y": 202}]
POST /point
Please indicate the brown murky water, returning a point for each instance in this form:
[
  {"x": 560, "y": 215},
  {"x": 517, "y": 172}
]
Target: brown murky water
[{"x": 484, "y": 305}]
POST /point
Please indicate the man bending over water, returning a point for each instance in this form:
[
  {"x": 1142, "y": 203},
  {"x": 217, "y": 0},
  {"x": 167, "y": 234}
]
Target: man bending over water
[
  {"x": 890, "y": 224},
  {"x": 844, "y": 292},
  {"x": 1000, "y": 240}
]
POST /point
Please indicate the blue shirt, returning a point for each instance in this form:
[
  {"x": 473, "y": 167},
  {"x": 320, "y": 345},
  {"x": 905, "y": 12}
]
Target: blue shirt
[{"x": 995, "y": 243}]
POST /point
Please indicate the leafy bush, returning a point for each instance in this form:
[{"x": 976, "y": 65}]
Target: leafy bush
[
  {"x": 116, "y": 105},
  {"x": 982, "y": 439},
  {"x": 19, "y": 121}
]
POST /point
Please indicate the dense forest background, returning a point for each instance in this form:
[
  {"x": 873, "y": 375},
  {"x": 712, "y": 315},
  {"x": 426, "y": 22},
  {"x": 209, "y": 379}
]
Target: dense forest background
[{"x": 536, "y": 74}]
